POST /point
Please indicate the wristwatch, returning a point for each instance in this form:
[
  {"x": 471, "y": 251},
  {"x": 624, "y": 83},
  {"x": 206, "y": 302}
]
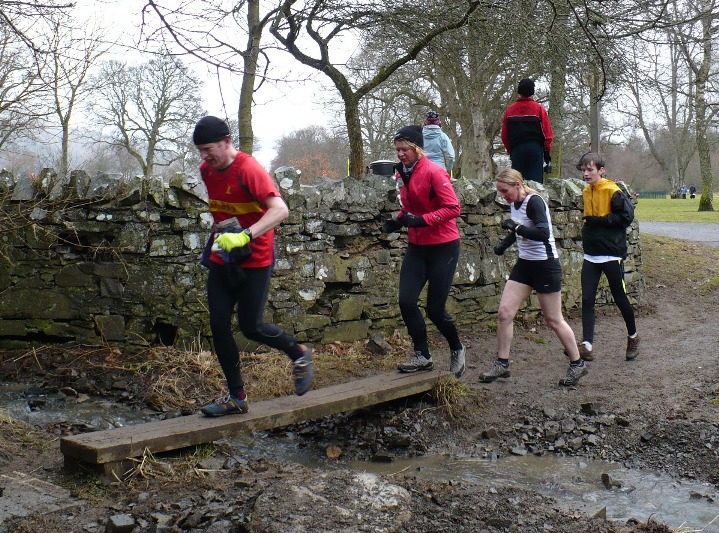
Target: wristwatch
[{"x": 248, "y": 231}]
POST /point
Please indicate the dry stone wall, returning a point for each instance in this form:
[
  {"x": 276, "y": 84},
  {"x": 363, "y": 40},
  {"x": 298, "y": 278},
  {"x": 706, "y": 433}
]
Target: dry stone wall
[{"x": 105, "y": 260}]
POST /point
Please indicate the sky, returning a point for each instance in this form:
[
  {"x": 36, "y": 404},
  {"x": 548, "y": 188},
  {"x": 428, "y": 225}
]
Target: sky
[{"x": 278, "y": 110}]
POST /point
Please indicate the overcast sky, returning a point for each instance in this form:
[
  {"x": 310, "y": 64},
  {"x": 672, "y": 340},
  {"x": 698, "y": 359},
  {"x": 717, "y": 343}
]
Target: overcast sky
[{"x": 278, "y": 110}]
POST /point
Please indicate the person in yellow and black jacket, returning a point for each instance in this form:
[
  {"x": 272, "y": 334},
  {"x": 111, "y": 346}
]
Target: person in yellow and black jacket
[{"x": 608, "y": 212}]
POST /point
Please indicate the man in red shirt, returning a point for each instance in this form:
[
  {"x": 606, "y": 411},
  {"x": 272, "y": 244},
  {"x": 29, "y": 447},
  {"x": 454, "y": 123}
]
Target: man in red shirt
[
  {"x": 527, "y": 134},
  {"x": 246, "y": 207}
]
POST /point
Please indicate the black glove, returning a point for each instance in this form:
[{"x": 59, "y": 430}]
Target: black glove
[
  {"x": 547, "y": 157},
  {"x": 509, "y": 224},
  {"x": 393, "y": 224},
  {"x": 595, "y": 221},
  {"x": 413, "y": 221},
  {"x": 240, "y": 254},
  {"x": 548, "y": 167},
  {"x": 499, "y": 249}
]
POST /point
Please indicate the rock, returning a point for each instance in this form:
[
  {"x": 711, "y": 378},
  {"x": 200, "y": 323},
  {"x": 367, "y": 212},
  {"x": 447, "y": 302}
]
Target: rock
[
  {"x": 333, "y": 452},
  {"x": 379, "y": 346},
  {"x": 593, "y": 440},
  {"x": 610, "y": 483},
  {"x": 601, "y": 513},
  {"x": 383, "y": 457},
  {"x": 120, "y": 523},
  {"x": 590, "y": 408},
  {"x": 646, "y": 437},
  {"x": 489, "y": 433},
  {"x": 401, "y": 440}
]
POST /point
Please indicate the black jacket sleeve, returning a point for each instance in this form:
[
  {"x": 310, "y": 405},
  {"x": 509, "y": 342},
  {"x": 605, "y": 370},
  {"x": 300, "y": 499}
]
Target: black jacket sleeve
[
  {"x": 537, "y": 213},
  {"x": 622, "y": 211},
  {"x": 505, "y": 243}
]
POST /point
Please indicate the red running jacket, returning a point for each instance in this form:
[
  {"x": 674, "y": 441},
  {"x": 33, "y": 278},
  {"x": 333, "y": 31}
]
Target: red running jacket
[
  {"x": 526, "y": 120},
  {"x": 430, "y": 194}
]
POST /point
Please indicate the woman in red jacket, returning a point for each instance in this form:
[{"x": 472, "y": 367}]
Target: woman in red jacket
[{"x": 429, "y": 207}]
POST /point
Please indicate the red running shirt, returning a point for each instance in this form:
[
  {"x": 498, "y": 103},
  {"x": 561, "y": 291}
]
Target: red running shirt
[{"x": 241, "y": 191}]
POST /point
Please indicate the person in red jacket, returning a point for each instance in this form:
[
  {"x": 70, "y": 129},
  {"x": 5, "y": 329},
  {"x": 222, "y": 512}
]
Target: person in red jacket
[
  {"x": 429, "y": 208},
  {"x": 246, "y": 207},
  {"x": 527, "y": 134}
]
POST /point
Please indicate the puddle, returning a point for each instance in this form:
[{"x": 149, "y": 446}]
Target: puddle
[
  {"x": 635, "y": 494},
  {"x": 577, "y": 483},
  {"x": 34, "y": 407}
]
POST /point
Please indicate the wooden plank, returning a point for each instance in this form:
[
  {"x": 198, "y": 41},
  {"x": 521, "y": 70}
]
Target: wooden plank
[{"x": 116, "y": 445}]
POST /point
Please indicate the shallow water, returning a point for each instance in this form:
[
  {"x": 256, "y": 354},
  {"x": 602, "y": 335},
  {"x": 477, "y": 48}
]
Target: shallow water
[
  {"x": 577, "y": 483},
  {"x": 40, "y": 409}
]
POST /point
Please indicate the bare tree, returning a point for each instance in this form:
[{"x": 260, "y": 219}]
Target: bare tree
[
  {"x": 149, "y": 109},
  {"x": 313, "y": 150},
  {"x": 20, "y": 107},
  {"x": 23, "y": 18},
  {"x": 326, "y": 21},
  {"x": 660, "y": 103},
  {"x": 63, "y": 65},
  {"x": 695, "y": 32},
  {"x": 209, "y": 30}
]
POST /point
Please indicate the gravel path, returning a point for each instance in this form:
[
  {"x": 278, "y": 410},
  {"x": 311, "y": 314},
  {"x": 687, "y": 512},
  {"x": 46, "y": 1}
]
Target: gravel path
[{"x": 707, "y": 234}]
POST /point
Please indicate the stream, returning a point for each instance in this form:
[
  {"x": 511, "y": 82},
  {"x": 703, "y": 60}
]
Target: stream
[{"x": 575, "y": 482}]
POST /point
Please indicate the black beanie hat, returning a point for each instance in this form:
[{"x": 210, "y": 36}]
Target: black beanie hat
[
  {"x": 210, "y": 130},
  {"x": 412, "y": 134},
  {"x": 526, "y": 87}
]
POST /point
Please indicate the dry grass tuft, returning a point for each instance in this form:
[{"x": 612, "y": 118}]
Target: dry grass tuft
[
  {"x": 17, "y": 438},
  {"x": 174, "y": 379},
  {"x": 451, "y": 396}
]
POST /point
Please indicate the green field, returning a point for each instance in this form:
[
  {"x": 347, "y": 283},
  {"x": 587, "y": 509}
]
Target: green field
[{"x": 678, "y": 210}]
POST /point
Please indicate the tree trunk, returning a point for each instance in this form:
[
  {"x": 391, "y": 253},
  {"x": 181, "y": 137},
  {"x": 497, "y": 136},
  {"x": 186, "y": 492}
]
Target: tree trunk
[
  {"x": 705, "y": 166},
  {"x": 477, "y": 163},
  {"x": 249, "y": 59},
  {"x": 558, "y": 88}
]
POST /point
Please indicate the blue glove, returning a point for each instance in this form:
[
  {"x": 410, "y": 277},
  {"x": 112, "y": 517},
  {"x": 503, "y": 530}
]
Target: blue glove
[
  {"x": 414, "y": 221},
  {"x": 509, "y": 224}
]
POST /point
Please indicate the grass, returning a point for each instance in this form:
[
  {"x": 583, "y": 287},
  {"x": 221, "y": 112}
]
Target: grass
[
  {"x": 689, "y": 267},
  {"x": 677, "y": 210}
]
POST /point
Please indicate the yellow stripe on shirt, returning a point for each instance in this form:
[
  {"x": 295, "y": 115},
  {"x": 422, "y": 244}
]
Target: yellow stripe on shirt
[{"x": 218, "y": 206}]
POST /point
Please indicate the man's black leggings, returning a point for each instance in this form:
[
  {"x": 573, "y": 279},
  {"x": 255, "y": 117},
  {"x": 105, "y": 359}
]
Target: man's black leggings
[
  {"x": 434, "y": 266},
  {"x": 250, "y": 295},
  {"x": 591, "y": 273}
]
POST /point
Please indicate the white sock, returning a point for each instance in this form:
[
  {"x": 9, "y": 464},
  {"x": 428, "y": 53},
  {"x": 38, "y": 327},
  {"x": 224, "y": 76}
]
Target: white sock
[{"x": 588, "y": 345}]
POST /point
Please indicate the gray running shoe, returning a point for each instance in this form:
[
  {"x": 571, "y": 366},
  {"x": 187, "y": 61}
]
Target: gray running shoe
[
  {"x": 416, "y": 362},
  {"x": 584, "y": 352},
  {"x": 226, "y": 405},
  {"x": 457, "y": 363},
  {"x": 304, "y": 372},
  {"x": 632, "y": 348},
  {"x": 574, "y": 372},
  {"x": 498, "y": 370}
]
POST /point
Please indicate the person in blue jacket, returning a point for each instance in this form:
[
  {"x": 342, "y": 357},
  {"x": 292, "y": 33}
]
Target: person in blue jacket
[{"x": 437, "y": 146}]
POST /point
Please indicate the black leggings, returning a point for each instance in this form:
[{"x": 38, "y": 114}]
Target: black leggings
[
  {"x": 250, "y": 295},
  {"x": 591, "y": 272},
  {"x": 434, "y": 266}
]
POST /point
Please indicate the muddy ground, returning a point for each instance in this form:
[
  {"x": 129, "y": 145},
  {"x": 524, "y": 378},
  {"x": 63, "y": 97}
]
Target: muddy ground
[{"x": 658, "y": 412}]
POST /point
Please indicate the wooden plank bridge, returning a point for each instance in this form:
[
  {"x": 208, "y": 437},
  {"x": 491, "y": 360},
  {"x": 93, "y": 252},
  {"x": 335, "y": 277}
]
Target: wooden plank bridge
[{"x": 110, "y": 452}]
